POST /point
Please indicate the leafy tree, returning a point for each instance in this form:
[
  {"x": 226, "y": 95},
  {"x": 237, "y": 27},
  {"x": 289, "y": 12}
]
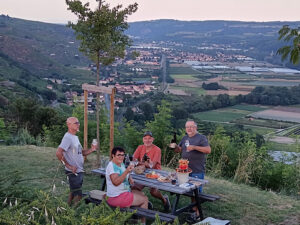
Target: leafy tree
[
  {"x": 161, "y": 127},
  {"x": 292, "y": 36},
  {"x": 101, "y": 33},
  {"x": 3, "y": 131}
]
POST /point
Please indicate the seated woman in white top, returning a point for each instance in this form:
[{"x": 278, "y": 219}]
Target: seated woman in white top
[{"x": 118, "y": 183}]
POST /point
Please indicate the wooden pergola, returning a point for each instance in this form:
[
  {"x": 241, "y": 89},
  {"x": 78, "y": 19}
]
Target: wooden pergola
[{"x": 98, "y": 89}]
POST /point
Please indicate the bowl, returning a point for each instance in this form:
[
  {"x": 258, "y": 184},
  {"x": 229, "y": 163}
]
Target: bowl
[{"x": 139, "y": 169}]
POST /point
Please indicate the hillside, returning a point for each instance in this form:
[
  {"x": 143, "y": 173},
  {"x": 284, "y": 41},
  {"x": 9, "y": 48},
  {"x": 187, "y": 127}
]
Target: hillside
[
  {"x": 255, "y": 39},
  {"x": 31, "y": 51},
  {"x": 38, "y": 168}
]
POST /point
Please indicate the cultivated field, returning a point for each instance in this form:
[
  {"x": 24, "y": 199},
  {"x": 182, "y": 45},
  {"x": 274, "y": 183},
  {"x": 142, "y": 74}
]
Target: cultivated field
[
  {"x": 228, "y": 114},
  {"x": 289, "y": 114}
]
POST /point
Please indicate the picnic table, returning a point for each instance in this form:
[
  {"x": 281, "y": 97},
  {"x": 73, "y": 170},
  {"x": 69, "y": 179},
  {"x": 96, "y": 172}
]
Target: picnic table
[{"x": 165, "y": 186}]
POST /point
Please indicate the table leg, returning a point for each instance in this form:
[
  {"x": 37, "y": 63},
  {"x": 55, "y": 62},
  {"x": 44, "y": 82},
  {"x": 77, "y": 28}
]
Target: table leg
[
  {"x": 103, "y": 183},
  {"x": 198, "y": 204},
  {"x": 175, "y": 203}
]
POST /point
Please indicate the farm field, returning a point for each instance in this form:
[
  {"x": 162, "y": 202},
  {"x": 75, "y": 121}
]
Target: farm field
[
  {"x": 289, "y": 114},
  {"x": 228, "y": 114},
  {"x": 184, "y": 76},
  {"x": 187, "y": 90}
]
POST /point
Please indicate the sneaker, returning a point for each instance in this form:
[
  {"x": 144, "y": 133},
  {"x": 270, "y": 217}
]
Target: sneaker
[
  {"x": 193, "y": 218},
  {"x": 150, "y": 205},
  {"x": 167, "y": 205}
]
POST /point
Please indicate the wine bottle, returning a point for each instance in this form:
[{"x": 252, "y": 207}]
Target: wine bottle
[
  {"x": 127, "y": 161},
  {"x": 145, "y": 158}
]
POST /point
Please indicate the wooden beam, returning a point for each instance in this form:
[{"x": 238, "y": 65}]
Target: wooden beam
[
  {"x": 85, "y": 132},
  {"x": 96, "y": 89},
  {"x": 112, "y": 109}
]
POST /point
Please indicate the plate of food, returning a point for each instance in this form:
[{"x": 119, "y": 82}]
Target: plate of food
[
  {"x": 163, "y": 179},
  {"x": 152, "y": 175}
]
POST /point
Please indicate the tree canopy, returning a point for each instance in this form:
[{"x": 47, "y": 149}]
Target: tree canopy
[{"x": 292, "y": 36}]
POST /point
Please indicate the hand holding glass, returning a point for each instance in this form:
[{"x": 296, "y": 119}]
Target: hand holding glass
[
  {"x": 150, "y": 164},
  {"x": 94, "y": 144}
]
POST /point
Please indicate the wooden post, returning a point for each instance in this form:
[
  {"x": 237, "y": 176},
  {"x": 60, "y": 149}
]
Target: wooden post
[
  {"x": 85, "y": 132},
  {"x": 112, "y": 108},
  {"x": 98, "y": 89}
]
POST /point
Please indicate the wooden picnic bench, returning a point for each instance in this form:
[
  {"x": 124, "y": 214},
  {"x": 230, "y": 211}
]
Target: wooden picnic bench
[
  {"x": 203, "y": 197},
  {"x": 138, "y": 211},
  {"x": 173, "y": 189}
]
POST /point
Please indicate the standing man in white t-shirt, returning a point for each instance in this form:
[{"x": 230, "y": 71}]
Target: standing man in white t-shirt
[{"x": 70, "y": 153}]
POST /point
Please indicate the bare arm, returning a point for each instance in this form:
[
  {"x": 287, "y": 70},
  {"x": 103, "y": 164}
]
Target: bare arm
[
  {"x": 117, "y": 180},
  {"x": 87, "y": 151},
  {"x": 60, "y": 156},
  {"x": 177, "y": 149},
  {"x": 206, "y": 149}
]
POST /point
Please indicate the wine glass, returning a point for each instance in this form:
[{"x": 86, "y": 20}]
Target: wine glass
[
  {"x": 136, "y": 162},
  {"x": 150, "y": 164}
]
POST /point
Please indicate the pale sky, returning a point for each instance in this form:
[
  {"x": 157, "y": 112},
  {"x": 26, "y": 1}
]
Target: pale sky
[{"x": 55, "y": 11}]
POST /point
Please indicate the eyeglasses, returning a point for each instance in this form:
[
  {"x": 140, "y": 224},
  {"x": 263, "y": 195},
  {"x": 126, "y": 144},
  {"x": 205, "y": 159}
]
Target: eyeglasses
[
  {"x": 120, "y": 155},
  {"x": 190, "y": 126},
  {"x": 77, "y": 123}
]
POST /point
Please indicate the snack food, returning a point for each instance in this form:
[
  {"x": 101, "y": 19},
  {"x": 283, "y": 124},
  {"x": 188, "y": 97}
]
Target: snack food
[
  {"x": 152, "y": 176},
  {"x": 163, "y": 179}
]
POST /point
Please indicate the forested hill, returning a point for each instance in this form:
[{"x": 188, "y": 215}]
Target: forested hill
[
  {"x": 31, "y": 51},
  {"x": 39, "y": 47}
]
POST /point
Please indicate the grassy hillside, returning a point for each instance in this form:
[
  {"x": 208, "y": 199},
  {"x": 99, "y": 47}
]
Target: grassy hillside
[{"x": 243, "y": 205}]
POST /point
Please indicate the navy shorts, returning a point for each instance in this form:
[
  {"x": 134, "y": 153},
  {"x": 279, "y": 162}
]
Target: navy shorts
[
  {"x": 75, "y": 183},
  {"x": 199, "y": 176}
]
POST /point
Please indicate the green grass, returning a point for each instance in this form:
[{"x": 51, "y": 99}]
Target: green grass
[
  {"x": 283, "y": 147},
  {"x": 192, "y": 90},
  {"x": 222, "y": 115},
  {"x": 241, "y": 204},
  {"x": 182, "y": 70},
  {"x": 251, "y": 108},
  {"x": 183, "y": 76},
  {"x": 260, "y": 130}
]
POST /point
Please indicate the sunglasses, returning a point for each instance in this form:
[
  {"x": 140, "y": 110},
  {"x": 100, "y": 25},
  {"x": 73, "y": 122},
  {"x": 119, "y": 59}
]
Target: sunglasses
[{"x": 120, "y": 155}]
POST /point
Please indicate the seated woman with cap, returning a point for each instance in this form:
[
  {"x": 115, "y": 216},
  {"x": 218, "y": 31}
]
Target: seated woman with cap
[{"x": 118, "y": 183}]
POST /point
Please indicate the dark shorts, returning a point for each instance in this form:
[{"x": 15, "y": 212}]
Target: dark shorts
[
  {"x": 75, "y": 183},
  {"x": 199, "y": 176}
]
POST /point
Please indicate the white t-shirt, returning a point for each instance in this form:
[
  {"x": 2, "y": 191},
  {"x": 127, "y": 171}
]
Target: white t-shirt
[
  {"x": 72, "y": 151},
  {"x": 112, "y": 190}
]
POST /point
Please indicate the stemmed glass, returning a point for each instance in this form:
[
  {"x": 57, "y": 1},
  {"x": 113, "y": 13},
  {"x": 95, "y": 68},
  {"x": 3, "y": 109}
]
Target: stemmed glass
[
  {"x": 150, "y": 164},
  {"x": 136, "y": 162}
]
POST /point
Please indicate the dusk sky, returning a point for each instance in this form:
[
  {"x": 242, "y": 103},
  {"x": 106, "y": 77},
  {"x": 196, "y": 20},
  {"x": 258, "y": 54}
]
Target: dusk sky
[{"x": 55, "y": 11}]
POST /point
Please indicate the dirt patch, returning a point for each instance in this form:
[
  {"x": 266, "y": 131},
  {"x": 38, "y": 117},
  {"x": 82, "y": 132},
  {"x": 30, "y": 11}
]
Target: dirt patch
[
  {"x": 291, "y": 220},
  {"x": 283, "y": 140},
  {"x": 178, "y": 92},
  {"x": 229, "y": 92},
  {"x": 281, "y": 207},
  {"x": 280, "y": 114}
]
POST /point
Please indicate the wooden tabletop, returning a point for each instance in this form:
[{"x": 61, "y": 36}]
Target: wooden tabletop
[{"x": 154, "y": 183}]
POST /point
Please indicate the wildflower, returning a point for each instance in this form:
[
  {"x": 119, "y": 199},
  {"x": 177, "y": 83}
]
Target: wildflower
[
  {"x": 46, "y": 213},
  {"x": 4, "y": 201},
  {"x": 53, "y": 223}
]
